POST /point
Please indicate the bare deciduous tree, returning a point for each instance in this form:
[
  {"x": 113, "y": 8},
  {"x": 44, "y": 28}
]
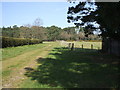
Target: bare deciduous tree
[{"x": 38, "y": 22}]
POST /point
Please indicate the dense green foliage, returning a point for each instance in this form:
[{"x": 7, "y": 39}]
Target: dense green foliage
[
  {"x": 53, "y": 33},
  {"x": 106, "y": 14},
  {"x": 47, "y": 33},
  {"x": 17, "y": 36},
  {"x": 34, "y": 32},
  {"x": 12, "y": 42}
]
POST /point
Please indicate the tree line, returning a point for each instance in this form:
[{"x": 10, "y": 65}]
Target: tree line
[{"x": 51, "y": 33}]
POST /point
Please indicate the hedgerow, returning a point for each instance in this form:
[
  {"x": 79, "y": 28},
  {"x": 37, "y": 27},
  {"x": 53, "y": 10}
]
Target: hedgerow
[{"x": 13, "y": 42}]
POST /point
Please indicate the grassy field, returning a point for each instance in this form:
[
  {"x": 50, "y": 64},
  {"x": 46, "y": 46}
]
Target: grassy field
[
  {"x": 15, "y": 59},
  {"x": 53, "y": 65}
]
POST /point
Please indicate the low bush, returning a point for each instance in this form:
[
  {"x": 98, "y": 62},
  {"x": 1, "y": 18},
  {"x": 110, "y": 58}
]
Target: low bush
[{"x": 13, "y": 42}]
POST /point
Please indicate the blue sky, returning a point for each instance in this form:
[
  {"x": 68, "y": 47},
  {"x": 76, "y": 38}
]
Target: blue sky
[{"x": 21, "y": 13}]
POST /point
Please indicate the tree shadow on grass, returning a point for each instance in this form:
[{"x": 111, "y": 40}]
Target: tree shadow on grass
[{"x": 80, "y": 68}]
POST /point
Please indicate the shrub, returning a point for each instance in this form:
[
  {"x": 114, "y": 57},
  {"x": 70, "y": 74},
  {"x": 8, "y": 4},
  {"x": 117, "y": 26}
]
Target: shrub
[{"x": 13, "y": 42}]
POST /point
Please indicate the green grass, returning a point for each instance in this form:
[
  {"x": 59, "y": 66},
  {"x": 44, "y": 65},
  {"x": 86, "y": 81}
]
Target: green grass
[
  {"x": 62, "y": 68},
  {"x": 87, "y": 45},
  {"x": 20, "y": 57},
  {"x": 14, "y": 51},
  {"x": 6, "y": 73},
  {"x": 81, "y": 68},
  {"x": 34, "y": 84}
]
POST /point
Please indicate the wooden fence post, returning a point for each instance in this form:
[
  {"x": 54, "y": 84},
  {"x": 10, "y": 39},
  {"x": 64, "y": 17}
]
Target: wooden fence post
[
  {"x": 82, "y": 46},
  {"x": 69, "y": 45},
  {"x": 72, "y": 47},
  {"x": 91, "y": 46}
]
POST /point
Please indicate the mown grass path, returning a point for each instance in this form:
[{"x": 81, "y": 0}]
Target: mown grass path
[{"x": 13, "y": 68}]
